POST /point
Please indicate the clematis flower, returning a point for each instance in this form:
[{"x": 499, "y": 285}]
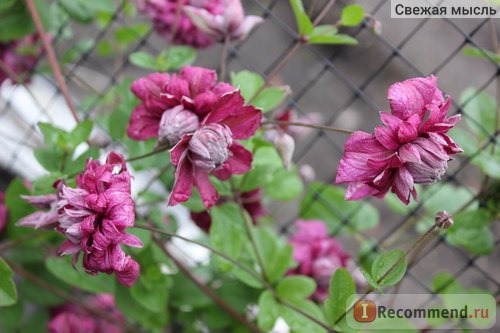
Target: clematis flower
[
  {"x": 213, "y": 149},
  {"x": 75, "y": 318},
  {"x": 173, "y": 105},
  {"x": 4, "y": 213},
  {"x": 318, "y": 255},
  {"x": 251, "y": 202},
  {"x": 231, "y": 23},
  {"x": 93, "y": 217},
  {"x": 19, "y": 57},
  {"x": 170, "y": 21},
  {"x": 411, "y": 147}
]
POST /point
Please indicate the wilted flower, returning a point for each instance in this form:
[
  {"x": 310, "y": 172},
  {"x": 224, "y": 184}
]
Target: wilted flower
[
  {"x": 251, "y": 202},
  {"x": 93, "y": 217},
  {"x": 317, "y": 254},
  {"x": 171, "y": 102},
  {"x": 170, "y": 21},
  {"x": 4, "y": 213},
  {"x": 19, "y": 57},
  {"x": 75, "y": 318},
  {"x": 231, "y": 23},
  {"x": 410, "y": 148},
  {"x": 213, "y": 149}
]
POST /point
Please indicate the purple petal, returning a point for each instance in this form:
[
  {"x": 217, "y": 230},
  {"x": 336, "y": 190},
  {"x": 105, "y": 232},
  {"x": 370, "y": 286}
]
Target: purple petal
[
  {"x": 208, "y": 193},
  {"x": 183, "y": 184},
  {"x": 200, "y": 79}
]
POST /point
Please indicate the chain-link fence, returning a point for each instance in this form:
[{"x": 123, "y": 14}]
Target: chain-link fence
[{"x": 345, "y": 85}]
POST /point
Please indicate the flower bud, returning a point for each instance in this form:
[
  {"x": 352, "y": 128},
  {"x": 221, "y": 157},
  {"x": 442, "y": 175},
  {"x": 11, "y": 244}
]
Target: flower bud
[
  {"x": 209, "y": 145},
  {"x": 175, "y": 123},
  {"x": 443, "y": 219},
  {"x": 285, "y": 145}
]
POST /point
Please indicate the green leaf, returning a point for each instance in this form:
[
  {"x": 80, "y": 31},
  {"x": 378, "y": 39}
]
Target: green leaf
[
  {"x": 77, "y": 10},
  {"x": 270, "y": 98},
  {"x": 440, "y": 198},
  {"x": 51, "y": 159},
  {"x": 15, "y": 22},
  {"x": 151, "y": 295},
  {"x": 304, "y": 24},
  {"x": 384, "y": 262},
  {"x": 326, "y": 202},
  {"x": 227, "y": 233},
  {"x": 276, "y": 255},
  {"x": 369, "y": 278},
  {"x": 126, "y": 35},
  {"x": 143, "y": 60},
  {"x": 75, "y": 52},
  {"x": 285, "y": 185},
  {"x": 479, "y": 241},
  {"x": 352, "y": 15},
  {"x": 465, "y": 140},
  {"x": 8, "y": 292},
  {"x": 481, "y": 53},
  {"x": 296, "y": 287},
  {"x": 175, "y": 57},
  {"x": 18, "y": 208},
  {"x": 337, "y": 39},
  {"x": 445, "y": 283},
  {"x": 269, "y": 310},
  {"x": 480, "y": 109},
  {"x": 62, "y": 269},
  {"x": 248, "y": 82},
  {"x": 6, "y": 4},
  {"x": 78, "y": 165},
  {"x": 11, "y": 318},
  {"x": 342, "y": 286},
  {"x": 489, "y": 164},
  {"x": 80, "y": 133},
  {"x": 135, "y": 312},
  {"x": 104, "y": 48}
]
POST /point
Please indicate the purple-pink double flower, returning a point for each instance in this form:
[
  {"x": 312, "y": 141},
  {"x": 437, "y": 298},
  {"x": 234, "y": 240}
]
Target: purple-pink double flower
[
  {"x": 411, "y": 147},
  {"x": 93, "y": 217}
]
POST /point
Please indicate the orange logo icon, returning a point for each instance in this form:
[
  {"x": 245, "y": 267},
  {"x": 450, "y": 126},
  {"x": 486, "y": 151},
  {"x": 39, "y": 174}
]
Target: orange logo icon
[{"x": 365, "y": 311}]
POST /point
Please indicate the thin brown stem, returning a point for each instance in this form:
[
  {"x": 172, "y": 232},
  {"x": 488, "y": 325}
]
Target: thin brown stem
[
  {"x": 206, "y": 289},
  {"x": 54, "y": 64},
  {"x": 223, "y": 58},
  {"x": 415, "y": 245},
  {"x": 151, "y": 153},
  {"x": 315, "y": 126},
  {"x": 323, "y": 12}
]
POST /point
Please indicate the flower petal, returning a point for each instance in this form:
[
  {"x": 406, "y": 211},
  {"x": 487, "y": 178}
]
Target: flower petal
[
  {"x": 208, "y": 193},
  {"x": 183, "y": 184}
]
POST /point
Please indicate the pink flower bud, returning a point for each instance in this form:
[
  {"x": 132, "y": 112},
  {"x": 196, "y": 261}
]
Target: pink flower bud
[
  {"x": 175, "y": 123},
  {"x": 443, "y": 219},
  {"x": 208, "y": 148}
]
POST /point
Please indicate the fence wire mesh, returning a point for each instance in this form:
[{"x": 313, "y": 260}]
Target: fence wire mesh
[{"x": 345, "y": 85}]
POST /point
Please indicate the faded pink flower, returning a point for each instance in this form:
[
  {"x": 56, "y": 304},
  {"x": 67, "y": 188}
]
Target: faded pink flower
[
  {"x": 168, "y": 18},
  {"x": 93, "y": 217},
  {"x": 231, "y": 23},
  {"x": 318, "y": 255},
  {"x": 4, "y": 213},
  {"x": 174, "y": 105},
  {"x": 19, "y": 57},
  {"x": 251, "y": 202},
  {"x": 410, "y": 148},
  {"x": 213, "y": 149},
  {"x": 75, "y": 318}
]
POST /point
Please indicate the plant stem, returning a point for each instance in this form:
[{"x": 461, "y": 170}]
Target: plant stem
[
  {"x": 315, "y": 126},
  {"x": 54, "y": 64},
  {"x": 393, "y": 266},
  {"x": 13, "y": 242},
  {"x": 206, "y": 289},
  {"x": 223, "y": 58},
  {"x": 151, "y": 153}
]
